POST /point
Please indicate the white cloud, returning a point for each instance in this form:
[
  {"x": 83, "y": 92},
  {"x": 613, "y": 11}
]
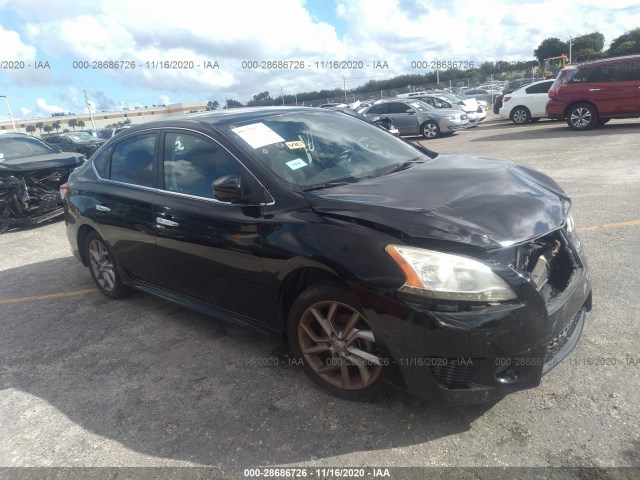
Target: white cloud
[
  {"x": 25, "y": 111},
  {"x": 14, "y": 48},
  {"x": 47, "y": 109},
  {"x": 164, "y": 100}
]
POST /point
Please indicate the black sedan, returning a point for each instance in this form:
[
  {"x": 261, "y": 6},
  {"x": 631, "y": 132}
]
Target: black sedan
[
  {"x": 31, "y": 173},
  {"x": 80, "y": 142},
  {"x": 455, "y": 278}
]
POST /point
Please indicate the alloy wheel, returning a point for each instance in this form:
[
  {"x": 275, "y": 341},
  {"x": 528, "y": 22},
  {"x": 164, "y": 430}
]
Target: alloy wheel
[
  {"x": 520, "y": 116},
  {"x": 101, "y": 265},
  {"x": 430, "y": 130},
  {"x": 339, "y": 346},
  {"x": 581, "y": 117}
]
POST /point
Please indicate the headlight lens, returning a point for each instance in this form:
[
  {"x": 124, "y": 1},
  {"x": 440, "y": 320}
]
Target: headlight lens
[
  {"x": 570, "y": 224},
  {"x": 448, "y": 277}
]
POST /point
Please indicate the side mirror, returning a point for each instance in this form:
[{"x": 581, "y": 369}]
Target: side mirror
[
  {"x": 409, "y": 110},
  {"x": 227, "y": 189}
]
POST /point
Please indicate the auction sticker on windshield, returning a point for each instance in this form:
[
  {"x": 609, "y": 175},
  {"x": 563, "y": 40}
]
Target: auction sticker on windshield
[
  {"x": 257, "y": 135},
  {"x": 296, "y": 164}
]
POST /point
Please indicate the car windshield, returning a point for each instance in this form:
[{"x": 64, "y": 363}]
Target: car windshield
[
  {"x": 11, "y": 148},
  {"x": 315, "y": 149}
]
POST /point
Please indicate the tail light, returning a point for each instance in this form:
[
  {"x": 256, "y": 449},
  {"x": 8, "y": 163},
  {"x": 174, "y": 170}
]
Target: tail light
[
  {"x": 64, "y": 190},
  {"x": 553, "y": 93},
  {"x": 506, "y": 99}
]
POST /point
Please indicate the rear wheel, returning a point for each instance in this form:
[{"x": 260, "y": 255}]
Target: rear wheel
[
  {"x": 330, "y": 333},
  {"x": 520, "y": 115},
  {"x": 582, "y": 116},
  {"x": 430, "y": 129},
  {"x": 103, "y": 268}
]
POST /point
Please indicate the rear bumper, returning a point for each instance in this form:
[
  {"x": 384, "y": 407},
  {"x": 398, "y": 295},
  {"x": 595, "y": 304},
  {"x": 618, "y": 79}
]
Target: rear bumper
[{"x": 475, "y": 356}]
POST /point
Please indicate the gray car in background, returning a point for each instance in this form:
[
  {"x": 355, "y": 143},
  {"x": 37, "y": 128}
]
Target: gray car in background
[{"x": 413, "y": 117}]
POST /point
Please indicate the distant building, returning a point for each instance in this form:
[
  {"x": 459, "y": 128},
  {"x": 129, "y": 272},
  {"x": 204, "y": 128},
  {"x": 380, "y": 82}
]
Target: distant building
[{"x": 102, "y": 119}]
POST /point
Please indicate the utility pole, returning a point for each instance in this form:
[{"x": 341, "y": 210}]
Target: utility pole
[
  {"x": 86, "y": 99},
  {"x": 282, "y": 93},
  {"x": 570, "y": 47},
  {"x": 344, "y": 86},
  {"x": 9, "y": 110}
]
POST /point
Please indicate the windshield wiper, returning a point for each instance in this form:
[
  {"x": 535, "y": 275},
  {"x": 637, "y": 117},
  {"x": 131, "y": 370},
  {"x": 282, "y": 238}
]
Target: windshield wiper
[
  {"x": 402, "y": 166},
  {"x": 320, "y": 186}
]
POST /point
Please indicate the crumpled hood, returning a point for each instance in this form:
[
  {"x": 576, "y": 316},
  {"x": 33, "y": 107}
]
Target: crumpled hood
[
  {"x": 41, "y": 162},
  {"x": 472, "y": 200}
]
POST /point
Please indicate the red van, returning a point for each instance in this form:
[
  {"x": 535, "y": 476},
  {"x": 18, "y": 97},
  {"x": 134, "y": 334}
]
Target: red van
[{"x": 593, "y": 93}]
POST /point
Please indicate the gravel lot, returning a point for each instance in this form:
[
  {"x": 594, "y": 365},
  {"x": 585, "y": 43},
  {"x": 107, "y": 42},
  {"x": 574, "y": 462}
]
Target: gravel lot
[{"x": 85, "y": 381}]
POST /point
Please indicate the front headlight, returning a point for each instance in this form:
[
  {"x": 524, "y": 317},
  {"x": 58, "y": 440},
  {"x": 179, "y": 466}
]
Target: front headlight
[{"x": 448, "y": 277}]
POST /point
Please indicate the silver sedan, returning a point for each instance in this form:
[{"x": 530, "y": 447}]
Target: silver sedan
[{"x": 413, "y": 117}]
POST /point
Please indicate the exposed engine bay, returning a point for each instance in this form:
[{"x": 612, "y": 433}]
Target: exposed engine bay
[{"x": 28, "y": 198}]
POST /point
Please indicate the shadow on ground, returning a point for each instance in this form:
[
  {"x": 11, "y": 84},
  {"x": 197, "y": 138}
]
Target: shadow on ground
[{"x": 167, "y": 382}]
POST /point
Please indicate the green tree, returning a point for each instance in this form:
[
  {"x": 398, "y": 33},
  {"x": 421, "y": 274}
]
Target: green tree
[
  {"x": 126, "y": 122},
  {"x": 550, "y": 47},
  {"x": 39, "y": 126},
  {"x": 47, "y": 128},
  {"x": 626, "y": 44},
  {"x": 56, "y": 125},
  {"x": 30, "y": 129},
  {"x": 80, "y": 124},
  {"x": 587, "y": 47},
  {"x": 233, "y": 103},
  {"x": 212, "y": 105},
  {"x": 73, "y": 123}
]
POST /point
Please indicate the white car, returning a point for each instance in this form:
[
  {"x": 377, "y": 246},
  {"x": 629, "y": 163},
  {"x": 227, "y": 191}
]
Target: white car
[{"x": 527, "y": 103}]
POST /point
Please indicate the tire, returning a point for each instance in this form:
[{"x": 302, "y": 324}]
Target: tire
[
  {"x": 430, "y": 129},
  {"x": 520, "y": 115},
  {"x": 602, "y": 121},
  {"x": 327, "y": 329},
  {"x": 103, "y": 268},
  {"x": 582, "y": 116}
]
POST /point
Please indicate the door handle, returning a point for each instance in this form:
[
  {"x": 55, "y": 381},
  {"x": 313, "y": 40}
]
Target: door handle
[
  {"x": 165, "y": 222},
  {"x": 594, "y": 89},
  {"x": 102, "y": 208}
]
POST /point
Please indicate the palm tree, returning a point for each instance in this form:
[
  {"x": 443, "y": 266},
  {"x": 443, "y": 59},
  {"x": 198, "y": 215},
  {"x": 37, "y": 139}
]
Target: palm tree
[
  {"x": 30, "y": 129},
  {"x": 56, "y": 125},
  {"x": 48, "y": 128},
  {"x": 73, "y": 123},
  {"x": 39, "y": 126}
]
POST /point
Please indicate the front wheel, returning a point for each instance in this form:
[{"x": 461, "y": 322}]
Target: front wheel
[
  {"x": 328, "y": 330},
  {"x": 430, "y": 129},
  {"x": 103, "y": 268},
  {"x": 582, "y": 116}
]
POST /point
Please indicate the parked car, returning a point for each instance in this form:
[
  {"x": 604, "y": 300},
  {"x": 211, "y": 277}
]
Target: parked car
[
  {"x": 381, "y": 121},
  {"x": 511, "y": 86},
  {"x": 593, "y": 93},
  {"x": 470, "y": 106},
  {"x": 80, "y": 142},
  {"x": 456, "y": 278},
  {"x": 481, "y": 94},
  {"x": 31, "y": 173},
  {"x": 413, "y": 117},
  {"x": 108, "y": 133},
  {"x": 527, "y": 104}
]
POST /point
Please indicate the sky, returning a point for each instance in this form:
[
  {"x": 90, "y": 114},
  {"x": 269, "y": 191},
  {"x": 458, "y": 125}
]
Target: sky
[{"x": 230, "y": 37}]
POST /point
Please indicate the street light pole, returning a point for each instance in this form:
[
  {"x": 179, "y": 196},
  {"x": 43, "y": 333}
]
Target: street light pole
[
  {"x": 86, "y": 99},
  {"x": 9, "y": 110}
]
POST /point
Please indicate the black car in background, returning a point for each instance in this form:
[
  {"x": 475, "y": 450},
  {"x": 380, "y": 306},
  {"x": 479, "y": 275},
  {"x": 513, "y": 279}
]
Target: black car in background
[
  {"x": 31, "y": 173},
  {"x": 453, "y": 277},
  {"x": 80, "y": 142}
]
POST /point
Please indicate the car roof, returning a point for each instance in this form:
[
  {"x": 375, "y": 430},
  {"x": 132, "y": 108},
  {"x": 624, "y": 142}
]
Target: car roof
[{"x": 221, "y": 118}]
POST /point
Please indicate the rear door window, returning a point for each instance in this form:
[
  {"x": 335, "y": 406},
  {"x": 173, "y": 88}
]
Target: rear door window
[{"x": 539, "y": 88}]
